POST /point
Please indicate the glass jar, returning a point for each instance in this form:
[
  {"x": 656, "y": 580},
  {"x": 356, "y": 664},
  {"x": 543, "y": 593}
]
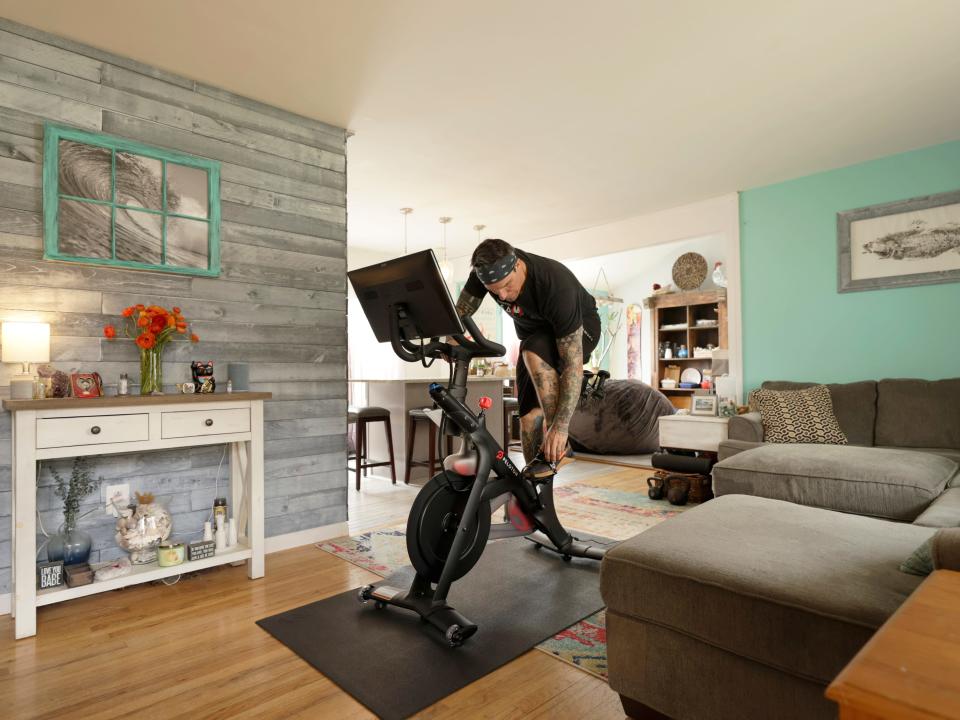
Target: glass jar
[{"x": 72, "y": 546}]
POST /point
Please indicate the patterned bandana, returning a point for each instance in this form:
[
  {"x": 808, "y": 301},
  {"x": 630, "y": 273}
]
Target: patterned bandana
[{"x": 497, "y": 271}]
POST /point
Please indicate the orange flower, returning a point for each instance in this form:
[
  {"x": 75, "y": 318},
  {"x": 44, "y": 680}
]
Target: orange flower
[
  {"x": 143, "y": 321},
  {"x": 146, "y": 340},
  {"x": 109, "y": 332},
  {"x": 194, "y": 338},
  {"x": 171, "y": 321},
  {"x": 139, "y": 307},
  {"x": 176, "y": 310},
  {"x": 127, "y": 312}
]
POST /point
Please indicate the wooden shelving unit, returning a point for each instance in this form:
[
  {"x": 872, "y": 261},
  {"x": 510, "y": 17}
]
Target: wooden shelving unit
[{"x": 685, "y": 309}]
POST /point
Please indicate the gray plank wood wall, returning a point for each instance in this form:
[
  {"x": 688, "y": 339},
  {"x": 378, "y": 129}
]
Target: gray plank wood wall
[{"x": 280, "y": 303}]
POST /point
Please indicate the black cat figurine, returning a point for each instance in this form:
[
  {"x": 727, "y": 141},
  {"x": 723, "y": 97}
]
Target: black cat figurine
[{"x": 202, "y": 372}]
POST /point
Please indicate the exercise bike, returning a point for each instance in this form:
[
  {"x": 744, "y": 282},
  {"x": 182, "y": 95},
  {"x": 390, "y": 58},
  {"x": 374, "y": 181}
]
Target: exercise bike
[{"x": 450, "y": 521}]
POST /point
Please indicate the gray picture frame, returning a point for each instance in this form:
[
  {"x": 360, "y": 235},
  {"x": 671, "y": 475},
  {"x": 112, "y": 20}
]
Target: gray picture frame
[{"x": 845, "y": 283}]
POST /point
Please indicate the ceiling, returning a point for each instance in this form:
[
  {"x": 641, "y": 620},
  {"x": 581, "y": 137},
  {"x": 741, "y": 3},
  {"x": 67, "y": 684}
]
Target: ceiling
[{"x": 541, "y": 117}]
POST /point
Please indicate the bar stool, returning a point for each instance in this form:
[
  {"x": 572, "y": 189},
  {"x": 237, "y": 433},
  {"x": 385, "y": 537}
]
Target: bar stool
[
  {"x": 415, "y": 416},
  {"x": 362, "y": 417},
  {"x": 510, "y": 406}
]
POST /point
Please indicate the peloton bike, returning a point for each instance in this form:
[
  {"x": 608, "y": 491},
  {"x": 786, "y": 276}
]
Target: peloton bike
[{"x": 406, "y": 300}]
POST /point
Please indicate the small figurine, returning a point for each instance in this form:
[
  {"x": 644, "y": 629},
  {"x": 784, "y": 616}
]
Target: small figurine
[{"x": 202, "y": 373}]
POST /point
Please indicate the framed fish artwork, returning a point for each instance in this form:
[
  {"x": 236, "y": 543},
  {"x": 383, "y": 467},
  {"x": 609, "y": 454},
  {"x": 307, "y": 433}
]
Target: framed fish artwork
[{"x": 899, "y": 244}]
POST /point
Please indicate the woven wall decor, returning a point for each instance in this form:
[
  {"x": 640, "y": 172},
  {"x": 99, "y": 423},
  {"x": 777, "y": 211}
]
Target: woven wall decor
[{"x": 689, "y": 271}]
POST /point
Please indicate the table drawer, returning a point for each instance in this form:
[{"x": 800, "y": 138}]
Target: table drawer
[
  {"x": 92, "y": 430},
  {"x": 192, "y": 423}
]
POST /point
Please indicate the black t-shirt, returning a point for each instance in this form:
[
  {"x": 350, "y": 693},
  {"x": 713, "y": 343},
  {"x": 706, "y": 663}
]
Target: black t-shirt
[{"x": 551, "y": 298}]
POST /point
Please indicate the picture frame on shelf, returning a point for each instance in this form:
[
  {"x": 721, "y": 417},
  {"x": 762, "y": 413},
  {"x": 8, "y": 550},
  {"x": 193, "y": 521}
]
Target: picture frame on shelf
[
  {"x": 86, "y": 385},
  {"x": 703, "y": 405},
  {"x": 899, "y": 244}
]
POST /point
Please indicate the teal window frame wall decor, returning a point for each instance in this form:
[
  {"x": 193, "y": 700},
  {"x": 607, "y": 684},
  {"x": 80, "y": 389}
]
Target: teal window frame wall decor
[{"x": 52, "y": 197}]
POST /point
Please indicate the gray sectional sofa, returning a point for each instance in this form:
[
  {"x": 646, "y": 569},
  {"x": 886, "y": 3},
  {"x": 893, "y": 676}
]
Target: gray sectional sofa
[
  {"x": 749, "y": 605},
  {"x": 900, "y": 464}
]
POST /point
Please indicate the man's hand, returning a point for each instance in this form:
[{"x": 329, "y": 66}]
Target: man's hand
[{"x": 554, "y": 444}]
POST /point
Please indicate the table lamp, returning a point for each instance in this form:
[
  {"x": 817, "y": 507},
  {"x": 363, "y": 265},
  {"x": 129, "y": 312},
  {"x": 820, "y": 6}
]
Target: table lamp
[{"x": 24, "y": 342}]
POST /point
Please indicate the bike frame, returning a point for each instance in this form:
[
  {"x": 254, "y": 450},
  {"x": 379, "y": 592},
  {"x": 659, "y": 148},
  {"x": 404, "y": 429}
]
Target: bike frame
[{"x": 507, "y": 478}]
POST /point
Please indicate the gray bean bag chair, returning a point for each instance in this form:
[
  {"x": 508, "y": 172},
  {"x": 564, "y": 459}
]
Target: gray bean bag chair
[{"x": 623, "y": 422}]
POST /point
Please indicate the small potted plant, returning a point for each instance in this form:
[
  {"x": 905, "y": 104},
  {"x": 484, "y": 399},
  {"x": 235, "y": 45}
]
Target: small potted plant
[{"x": 70, "y": 543}]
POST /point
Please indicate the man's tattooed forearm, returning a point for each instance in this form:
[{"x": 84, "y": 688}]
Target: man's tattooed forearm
[
  {"x": 571, "y": 376},
  {"x": 467, "y": 304}
]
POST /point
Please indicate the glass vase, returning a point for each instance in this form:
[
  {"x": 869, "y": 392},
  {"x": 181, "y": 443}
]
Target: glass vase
[
  {"x": 71, "y": 546},
  {"x": 151, "y": 370}
]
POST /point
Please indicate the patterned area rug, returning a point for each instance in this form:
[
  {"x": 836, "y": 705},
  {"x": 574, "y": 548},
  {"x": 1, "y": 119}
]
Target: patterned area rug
[{"x": 616, "y": 514}]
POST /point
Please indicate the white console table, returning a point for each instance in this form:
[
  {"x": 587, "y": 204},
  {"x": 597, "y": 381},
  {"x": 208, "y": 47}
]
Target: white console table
[
  {"x": 693, "y": 432},
  {"x": 71, "y": 427}
]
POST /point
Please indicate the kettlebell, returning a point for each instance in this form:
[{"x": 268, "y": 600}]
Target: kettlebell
[
  {"x": 655, "y": 487},
  {"x": 678, "y": 491}
]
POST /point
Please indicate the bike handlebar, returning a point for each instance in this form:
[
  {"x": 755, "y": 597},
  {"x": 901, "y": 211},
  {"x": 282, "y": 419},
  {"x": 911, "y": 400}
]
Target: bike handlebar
[
  {"x": 479, "y": 346},
  {"x": 466, "y": 349}
]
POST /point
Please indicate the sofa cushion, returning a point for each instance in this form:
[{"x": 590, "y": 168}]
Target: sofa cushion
[
  {"x": 792, "y": 587},
  {"x": 942, "y": 512},
  {"x": 798, "y": 416},
  {"x": 949, "y": 453},
  {"x": 918, "y": 413},
  {"x": 895, "y": 484},
  {"x": 854, "y": 404}
]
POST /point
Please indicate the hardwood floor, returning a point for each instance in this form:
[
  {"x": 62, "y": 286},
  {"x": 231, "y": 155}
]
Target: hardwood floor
[{"x": 193, "y": 650}]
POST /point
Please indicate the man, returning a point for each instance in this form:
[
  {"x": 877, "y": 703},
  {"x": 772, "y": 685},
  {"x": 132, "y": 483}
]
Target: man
[{"x": 558, "y": 326}]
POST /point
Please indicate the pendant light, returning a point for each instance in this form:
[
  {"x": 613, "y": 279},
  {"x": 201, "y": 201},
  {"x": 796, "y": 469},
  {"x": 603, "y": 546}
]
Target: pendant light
[
  {"x": 479, "y": 229},
  {"x": 406, "y": 212},
  {"x": 446, "y": 269}
]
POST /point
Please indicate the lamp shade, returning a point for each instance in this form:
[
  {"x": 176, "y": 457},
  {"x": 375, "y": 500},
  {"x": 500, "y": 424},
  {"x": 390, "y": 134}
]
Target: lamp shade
[{"x": 25, "y": 342}]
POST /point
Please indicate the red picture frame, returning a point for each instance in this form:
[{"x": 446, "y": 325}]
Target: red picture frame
[{"x": 86, "y": 385}]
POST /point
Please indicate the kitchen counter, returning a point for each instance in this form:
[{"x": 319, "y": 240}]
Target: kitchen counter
[{"x": 399, "y": 396}]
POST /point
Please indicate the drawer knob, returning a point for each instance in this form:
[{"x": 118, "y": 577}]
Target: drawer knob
[
  {"x": 95, "y": 429},
  {"x": 208, "y": 422}
]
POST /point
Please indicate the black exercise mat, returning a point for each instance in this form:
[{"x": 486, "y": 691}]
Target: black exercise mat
[{"x": 396, "y": 665}]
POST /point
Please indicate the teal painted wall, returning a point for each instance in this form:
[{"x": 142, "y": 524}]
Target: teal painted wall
[{"x": 796, "y": 326}]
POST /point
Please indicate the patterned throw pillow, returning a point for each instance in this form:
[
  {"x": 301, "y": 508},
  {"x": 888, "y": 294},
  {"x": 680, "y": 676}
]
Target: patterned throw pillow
[{"x": 798, "y": 416}]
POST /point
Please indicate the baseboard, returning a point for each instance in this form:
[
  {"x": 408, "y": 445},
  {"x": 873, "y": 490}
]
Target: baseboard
[
  {"x": 305, "y": 537},
  {"x": 271, "y": 545}
]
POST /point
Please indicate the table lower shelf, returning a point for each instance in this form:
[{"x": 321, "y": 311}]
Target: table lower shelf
[{"x": 142, "y": 574}]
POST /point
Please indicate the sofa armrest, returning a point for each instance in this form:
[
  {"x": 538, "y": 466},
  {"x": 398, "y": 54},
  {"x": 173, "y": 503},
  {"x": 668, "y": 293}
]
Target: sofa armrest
[
  {"x": 946, "y": 549},
  {"x": 746, "y": 427},
  {"x": 729, "y": 448}
]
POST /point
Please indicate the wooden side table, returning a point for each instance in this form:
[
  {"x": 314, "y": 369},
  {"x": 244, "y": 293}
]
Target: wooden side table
[
  {"x": 693, "y": 432},
  {"x": 911, "y": 667},
  {"x": 71, "y": 427}
]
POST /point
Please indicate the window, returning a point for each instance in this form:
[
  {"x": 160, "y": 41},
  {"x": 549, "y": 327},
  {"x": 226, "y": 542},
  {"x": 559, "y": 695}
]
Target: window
[{"x": 111, "y": 201}]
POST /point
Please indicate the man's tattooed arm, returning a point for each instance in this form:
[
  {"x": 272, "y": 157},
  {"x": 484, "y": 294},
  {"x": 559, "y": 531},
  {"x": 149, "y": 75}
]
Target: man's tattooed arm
[
  {"x": 467, "y": 304},
  {"x": 571, "y": 377}
]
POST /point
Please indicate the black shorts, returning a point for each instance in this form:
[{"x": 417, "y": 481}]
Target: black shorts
[{"x": 544, "y": 345}]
